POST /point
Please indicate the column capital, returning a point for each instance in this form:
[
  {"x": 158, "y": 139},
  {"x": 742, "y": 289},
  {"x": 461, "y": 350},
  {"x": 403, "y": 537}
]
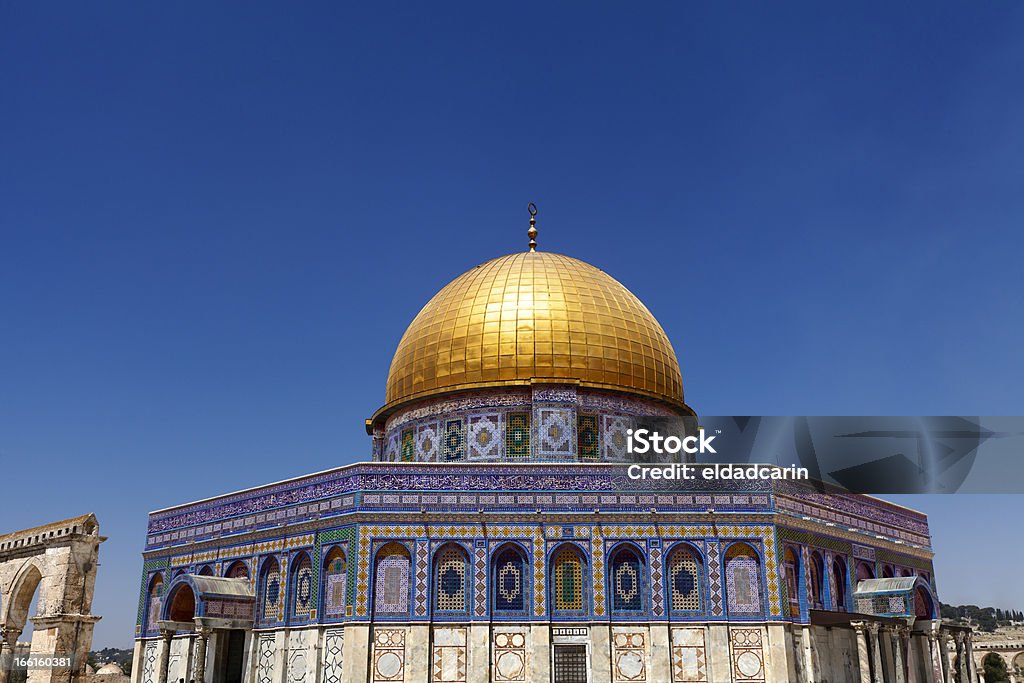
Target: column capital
[
  {"x": 9, "y": 635},
  {"x": 960, "y": 636},
  {"x": 859, "y": 626},
  {"x": 872, "y": 626},
  {"x": 204, "y": 631},
  {"x": 167, "y": 633}
]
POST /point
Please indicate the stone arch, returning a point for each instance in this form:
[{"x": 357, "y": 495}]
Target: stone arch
[
  {"x": 181, "y": 603},
  {"x": 391, "y": 585},
  {"x": 924, "y": 602},
  {"x": 627, "y": 584},
  {"x": 685, "y": 569},
  {"x": 568, "y": 578},
  {"x": 840, "y": 573},
  {"x": 335, "y": 582},
  {"x": 451, "y": 579},
  {"x": 205, "y": 570},
  {"x": 511, "y": 580},
  {"x": 23, "y": 589},
  {"x": 54, "y": 564},
  {"x": 743, "y": 580},
  {"x": 1017, "y": 663},
  {"x": 888, "y": 572}
]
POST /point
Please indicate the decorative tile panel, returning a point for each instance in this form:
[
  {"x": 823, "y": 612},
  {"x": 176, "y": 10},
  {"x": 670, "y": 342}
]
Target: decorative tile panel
[
  {"x": 509, "y": 656},
  {"x": 555, "y": 432},
  {"x": 747, "y": 654},
  {"x": 388, "y": 655},
  {"x": 454, "y": 446},
  {"x": 334, "y": 647},
  {"x": 450, "y": 660},
  {"x": 689, "y": 657},
  {"x": 483, "y": 436},
  {"x": 629, "y": 657}
]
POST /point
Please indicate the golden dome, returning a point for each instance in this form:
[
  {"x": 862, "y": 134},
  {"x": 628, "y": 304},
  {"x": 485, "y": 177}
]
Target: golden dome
[{"x": 534, "y": 316}]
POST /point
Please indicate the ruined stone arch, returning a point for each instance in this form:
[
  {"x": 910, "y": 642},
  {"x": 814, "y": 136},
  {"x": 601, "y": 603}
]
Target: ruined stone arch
[{"x": 57, "y": 561}]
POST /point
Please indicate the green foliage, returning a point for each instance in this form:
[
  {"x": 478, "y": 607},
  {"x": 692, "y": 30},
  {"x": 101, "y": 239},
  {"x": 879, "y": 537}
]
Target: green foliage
[{"x": 995, "y": 669}]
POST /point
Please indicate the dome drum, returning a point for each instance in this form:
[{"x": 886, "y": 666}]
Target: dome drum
[{"x": 545, "y": 422}]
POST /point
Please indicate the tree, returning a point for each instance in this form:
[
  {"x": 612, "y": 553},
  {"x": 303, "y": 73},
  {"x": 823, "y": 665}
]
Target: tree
[
  {"x": 986, "y": 621},
  {"x": 995, "y": 669}
]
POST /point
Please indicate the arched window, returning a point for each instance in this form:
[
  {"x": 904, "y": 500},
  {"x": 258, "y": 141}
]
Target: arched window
[
  {"x": 906, "y": 572},
  {"x": 839, "y": 583},
  {"x": 567, "y": 572},
  {"x": 887, "y": 572},
  {"x": 684, "y": 580},
  {"x": 237, "y": 570},
  {"x": 335, "y": 583},
  {"x": 206, "y": 570},
  {"x": 155, "y": 595},
  {"x": 743, "y": 579},
  {"x": 792, "y": 568},
  {"x": 865, "y": 571},
  {"x": 509, "y": 580},
  {"x": 626, "y": 584},
  {"x": 270, "y": 592},
  {"x": 451, "y": 572},
  {"x": 816, "y": 584},
  {"x": 303, "y": 596},
  {"x": 391, "y": 580}
]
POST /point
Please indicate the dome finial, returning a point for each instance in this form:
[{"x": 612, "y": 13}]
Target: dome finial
[{"x": 532, "y": 232}]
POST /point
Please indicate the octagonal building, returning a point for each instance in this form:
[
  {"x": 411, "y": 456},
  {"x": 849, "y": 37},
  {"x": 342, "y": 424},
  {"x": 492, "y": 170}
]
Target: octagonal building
[{"x": 492, "y": 536}]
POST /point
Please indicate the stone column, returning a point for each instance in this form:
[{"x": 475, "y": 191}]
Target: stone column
[
  {"x": 946, "y": 656},
  {"x": 961, "y": 652},
  {"x": 876, "y": 653},
  {"x": 935, "y": 656},
  {"x": 204, "y": 636},
  {"x": 972, "y": 667},
  {"x": 862, "y": 651},
  {"x": 165, "y": 655},
  {"x": 899, "y": 660},
  {"x": 8, "y": 639}
]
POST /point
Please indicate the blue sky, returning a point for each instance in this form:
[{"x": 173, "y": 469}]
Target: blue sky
[{"x": 216, "y": 220}]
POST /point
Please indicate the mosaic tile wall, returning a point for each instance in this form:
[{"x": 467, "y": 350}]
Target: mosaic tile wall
[{"x": 551, "y": 423}]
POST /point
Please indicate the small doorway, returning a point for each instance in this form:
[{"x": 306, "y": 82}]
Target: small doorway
[
  {"x": 570, "y": 664},
  {"x": 234, "y": 655}
]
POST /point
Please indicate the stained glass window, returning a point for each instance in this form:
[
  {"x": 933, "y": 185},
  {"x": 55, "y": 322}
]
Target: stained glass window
[
  {"x": 303, "y": 596},
  {"x": 742, "y": 577},
  {"x": 684, "y": 586},
  {"x": 509, "y": 580},
  {"x": 450, "y": 580},
  {"x": 335, "y": 583},
  {"x": 391, "y": 583},
  {"x": 567, "y": 569},
  {"x": 626, "y": 579},
  {"x": 587, "y": 432},
  {"x": 270, "y": 591}
]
